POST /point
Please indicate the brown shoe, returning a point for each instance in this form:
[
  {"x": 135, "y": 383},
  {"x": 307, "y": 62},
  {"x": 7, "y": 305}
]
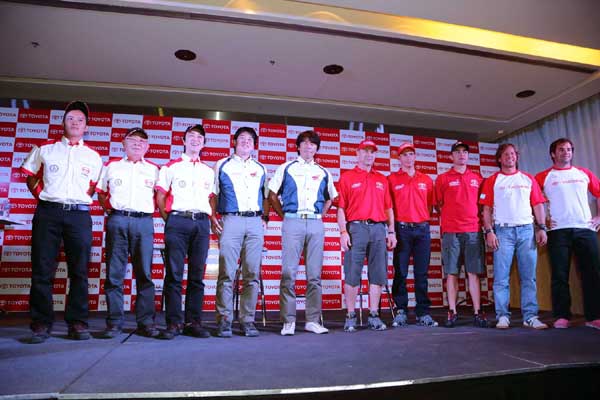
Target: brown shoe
[
  {"x": 195, "y": 329},
  {"x": 78, "y": 331},
  {"x": 39, "y": 333},
  {"x": 111, "y": 332},
  {"x": 147, "y": 331},
  {"x": 171, "y": 331}
]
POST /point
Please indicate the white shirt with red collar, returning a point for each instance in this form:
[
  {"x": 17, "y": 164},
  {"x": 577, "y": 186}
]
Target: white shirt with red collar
[
  {"x": 66, "y": 172},
  {"x": 512, "y": 197},
  {"x": 188, "y": 185},
  {"x": 129, "y": 185},
  {"x": 567, "y": 193}
]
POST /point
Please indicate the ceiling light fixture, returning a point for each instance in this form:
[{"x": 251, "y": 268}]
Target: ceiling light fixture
[
  {"x": 185, "y": 55},
  {"x": 333, "y": 69},
  {"x": 525, "y": 93}
]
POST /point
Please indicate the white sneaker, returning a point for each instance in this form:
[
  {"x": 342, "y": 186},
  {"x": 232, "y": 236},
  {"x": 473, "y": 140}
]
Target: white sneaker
[
  {"x": 289, "y": 328},
  {"x": 315, "y": 327},
  {"x": 503, "y": 322},
  {"x": 535, "y": 323}
]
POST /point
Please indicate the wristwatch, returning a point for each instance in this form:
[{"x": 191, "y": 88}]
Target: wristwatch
[
  {"x": 487, "y": 230},
  {"x": 542, "y": 227}
]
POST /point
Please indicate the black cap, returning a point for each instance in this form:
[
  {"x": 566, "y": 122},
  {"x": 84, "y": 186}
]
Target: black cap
[
  {"x": 456, "y": 145},
  {"x": 137, "y": 132},
  {"x": 78, "y": 105}
]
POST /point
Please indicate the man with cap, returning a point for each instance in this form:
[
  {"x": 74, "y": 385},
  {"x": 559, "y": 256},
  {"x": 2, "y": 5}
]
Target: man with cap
[
  {"x": 366, "y": 222},
  {"x": 183, "y": 190},
  {"x": 62, "y": 175},
  {"x": 240, "y": 183},
  {"x": 412, "y": 196},
  {"x": 126, "y": 193},
  {"x": 306, "y": 190},
  {"x": 456, "y": 195},
  {"x": 510, "y": 199},
  {"x": 572, "y": 231}
]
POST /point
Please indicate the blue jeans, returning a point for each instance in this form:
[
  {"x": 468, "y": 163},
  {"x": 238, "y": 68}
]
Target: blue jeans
[
  {"x": 416, "y": 241},
  {"x": 519, "y": 240}
]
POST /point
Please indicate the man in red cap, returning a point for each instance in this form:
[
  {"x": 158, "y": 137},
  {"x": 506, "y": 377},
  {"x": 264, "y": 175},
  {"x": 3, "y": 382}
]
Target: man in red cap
[
  {"x": 456, "y": 193},
  {"x": 412, "y": 196},
  {"x": 62, "y": 175},
  {"x": 366, "y": 223}
]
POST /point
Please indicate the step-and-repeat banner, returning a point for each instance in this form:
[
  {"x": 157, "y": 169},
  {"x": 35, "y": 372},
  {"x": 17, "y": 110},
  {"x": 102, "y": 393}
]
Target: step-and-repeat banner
[{"x": 21, "y": 129}]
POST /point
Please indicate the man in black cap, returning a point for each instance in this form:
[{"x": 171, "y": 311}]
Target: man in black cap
[
  {"x": 126, "y": 192},
  {"x": 62, "y": 175}
]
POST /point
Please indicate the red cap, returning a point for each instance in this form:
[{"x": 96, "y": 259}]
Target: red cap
[
  {"x": 367, "y": 143},
  {"x": 405, "y": 146}
]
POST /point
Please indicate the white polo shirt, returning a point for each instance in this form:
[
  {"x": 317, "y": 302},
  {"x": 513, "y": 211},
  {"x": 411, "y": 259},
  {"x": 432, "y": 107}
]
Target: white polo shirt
[
  {"x": 129, "y": 185},
  {"x": 567, "y": 194},
  {"x": 240, "y": 185},
  {"x": 304, "y": 186},
  {"x": 188, "y": 185},
  {"x": 66, "y": 171},
  {"x": 512, "y": 197}
]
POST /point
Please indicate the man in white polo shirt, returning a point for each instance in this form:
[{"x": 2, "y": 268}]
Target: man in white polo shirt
[
  {"x": 62, "y": 175},
  {"x": 510, "y": 198},
  {"x": 240, "y": 184},
  {"x": 184, "y": 188},
  {"x": 306, "y": 191},
  {"x": 572, "y": 231},
  {"x": 126, "y": 192}
]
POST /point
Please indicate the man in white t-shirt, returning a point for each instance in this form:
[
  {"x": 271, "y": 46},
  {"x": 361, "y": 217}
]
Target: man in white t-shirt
[
  {"x": 572, "y": 230},
  {"x": 509, "y": 198}
]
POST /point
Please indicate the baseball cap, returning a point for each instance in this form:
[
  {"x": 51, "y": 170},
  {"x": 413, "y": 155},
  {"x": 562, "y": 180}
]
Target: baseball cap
[
  {"x": 367, "y": 143},
  {"x": 138, "y": 132},
  {"x": 456, "y": 145},
  {"x": 78, "y": 105},
  {"x": 405, "y": 146}
]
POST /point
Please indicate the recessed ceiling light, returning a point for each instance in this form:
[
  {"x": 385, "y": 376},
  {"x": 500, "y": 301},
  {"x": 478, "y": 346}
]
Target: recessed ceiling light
[
  {"x": 185, "y": 55},
  {"x": 525, "y": 93},
  {"x": 333, "y": 69}
]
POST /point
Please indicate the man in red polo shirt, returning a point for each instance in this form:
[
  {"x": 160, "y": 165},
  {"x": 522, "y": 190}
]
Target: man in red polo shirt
[
  {"x": 456, "y": 193},
  {"x": 366, "y": 223},
  {"x": 412, "y": 196}
]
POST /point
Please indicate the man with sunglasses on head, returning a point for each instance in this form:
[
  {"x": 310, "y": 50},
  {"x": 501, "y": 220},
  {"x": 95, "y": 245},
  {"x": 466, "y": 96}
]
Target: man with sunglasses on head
[
  {"x": 126, "y": 193},
  {"x": 62, "y": 175},
  {"x": 183, "y": 192},
  {"x": 240, "y": 183}
]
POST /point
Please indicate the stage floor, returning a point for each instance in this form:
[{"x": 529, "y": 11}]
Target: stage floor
[{"x": 131, "y": 366}]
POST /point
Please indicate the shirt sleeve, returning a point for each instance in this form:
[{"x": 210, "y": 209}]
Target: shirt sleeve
[
  {"x": 594, "y": 184},
  {"x": 486, "y": 197},
  {"x": 97, "y": 169},
  {"x": 333, "y": 193},
  {"x": 438, "y": 194},
  {"x": 32, "y": 164},
  {"x": 277, "y": 179},
  {"x": 216, "y": 172},
  {"x": 536, "y": 196},
  {"x": 342, "y": 193},
  {"x": 164, "y": 179},
  {"x": 102, "y": 186}
]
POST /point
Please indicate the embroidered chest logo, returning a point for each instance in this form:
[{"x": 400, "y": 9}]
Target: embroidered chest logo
[
  {"x": 53, "y": 168},
  {"x": 356, "y": 185},
  {"x": 182, "y": 184},
  {"x": 253, "y": 174},
  {"x": 315, "y": 177},
  {"x": 422, "y": 186},
  {"x": 474, "y": 183},
  {"x": 453, "y": 183},
  {"x": 85, "y": 171},
  {"x": 118, "y": 182},
  {"x": 379, "y": 186},
  {"x": 149, "y": 183},
  {"x": 399, "y": 187}
]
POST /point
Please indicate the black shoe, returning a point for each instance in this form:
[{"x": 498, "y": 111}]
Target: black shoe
[
  {"x": 147, "y": 331},
  {"x": 224, "y": 328},
  {"x": 249, "y": 329},
  {"x": 171, "y": 331},
  {"x": 39, "y": 333},
  {"x": 111, "y": 331},
  {"x": 480, "y": 321},
  {"x": 196, "y": 330},
  {"x": 452, "y": 318},
  {"x": 79, "y": 331}
]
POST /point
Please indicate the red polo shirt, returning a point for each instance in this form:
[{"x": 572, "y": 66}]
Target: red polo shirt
[
  {"x": 364, "y": 195},
  {"x": 412, "y": 196},
  {"x": 456, "y": 195}
]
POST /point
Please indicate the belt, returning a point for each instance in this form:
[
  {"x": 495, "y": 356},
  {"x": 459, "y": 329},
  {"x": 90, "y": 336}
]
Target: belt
[
  {"x": 366, "y": 222},
  {"x": 244, "y": 213},
  {"x": 189, "y": 214},
  {"x": 511, "y": 225},
  {"x": 303, "y": 216},
  {"x": 65, "y": 207},
  {"x": 135, "y": 214},
  {"x": 412, "y": 224}
]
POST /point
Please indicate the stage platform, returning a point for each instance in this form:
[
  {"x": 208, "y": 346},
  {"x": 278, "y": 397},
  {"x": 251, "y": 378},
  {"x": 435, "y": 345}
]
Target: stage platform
[{"x": 400, "y": 363}]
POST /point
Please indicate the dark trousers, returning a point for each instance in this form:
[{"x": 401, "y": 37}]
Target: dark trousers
[
  {"x": 50, "y": 226},
  {"x": 562, "y": 243},
  {"x": 415, "y": 241},
  {"x": 184, "y": 236},
  {"x": 124, "y": 236}
]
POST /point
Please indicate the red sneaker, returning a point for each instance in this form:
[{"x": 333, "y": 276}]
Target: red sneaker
[
  {"x": 593, "y": 324},
  {"x": 561, "y": 323}
]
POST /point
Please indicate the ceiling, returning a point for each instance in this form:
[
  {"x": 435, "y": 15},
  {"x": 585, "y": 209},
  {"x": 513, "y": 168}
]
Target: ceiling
[{"x": 267, "y": 57}]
